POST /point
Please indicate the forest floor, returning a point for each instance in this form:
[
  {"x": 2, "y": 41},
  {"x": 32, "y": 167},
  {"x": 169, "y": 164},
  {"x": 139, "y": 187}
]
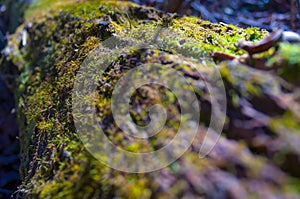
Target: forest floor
[{"x": 267, "y": 14}]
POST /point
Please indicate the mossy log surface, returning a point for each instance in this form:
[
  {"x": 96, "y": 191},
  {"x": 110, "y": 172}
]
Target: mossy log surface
[{"x": 257, "y": 156}]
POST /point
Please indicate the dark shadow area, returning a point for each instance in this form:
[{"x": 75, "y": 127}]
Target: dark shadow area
[{"x": 10, "y": 18}]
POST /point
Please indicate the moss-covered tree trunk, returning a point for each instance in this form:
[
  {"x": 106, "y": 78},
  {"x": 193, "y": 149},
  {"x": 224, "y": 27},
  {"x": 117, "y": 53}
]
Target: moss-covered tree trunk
[{"x": 257, "y": 156}]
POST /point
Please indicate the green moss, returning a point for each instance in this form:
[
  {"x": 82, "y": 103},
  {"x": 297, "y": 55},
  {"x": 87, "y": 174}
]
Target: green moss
[
  {"x": 289, "y": 58},
  {"x": 60, "y": 36},
  {"x": 287, "y": 121}
]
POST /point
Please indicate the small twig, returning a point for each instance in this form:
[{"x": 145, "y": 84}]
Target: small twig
[
  {"x": 223, "y": 56},
  {"x": 293, "y": 15},
  {"x": 262, "y": 46}
]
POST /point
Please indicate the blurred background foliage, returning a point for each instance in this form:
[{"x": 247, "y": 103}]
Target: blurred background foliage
[
  {"x": 267, "y": 14},
  {"x": 11, "y": 16}
]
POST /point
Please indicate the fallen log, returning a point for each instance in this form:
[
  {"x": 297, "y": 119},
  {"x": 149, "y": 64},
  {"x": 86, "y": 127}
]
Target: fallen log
[{"x": 70, "y": 56}]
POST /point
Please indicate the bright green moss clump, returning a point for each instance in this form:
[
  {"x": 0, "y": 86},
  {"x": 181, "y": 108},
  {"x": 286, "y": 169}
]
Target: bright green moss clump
[{"x": 48, "y": 50}]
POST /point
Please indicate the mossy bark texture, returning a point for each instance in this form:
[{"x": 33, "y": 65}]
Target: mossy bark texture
[{"x": 257, "y": 156}]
